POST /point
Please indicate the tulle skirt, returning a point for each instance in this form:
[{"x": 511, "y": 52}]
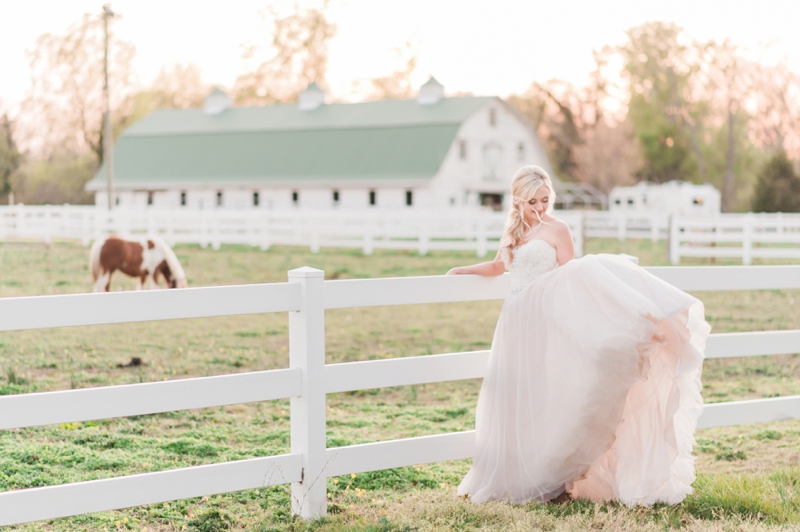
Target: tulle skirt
[{"x": 593, "y": 387}]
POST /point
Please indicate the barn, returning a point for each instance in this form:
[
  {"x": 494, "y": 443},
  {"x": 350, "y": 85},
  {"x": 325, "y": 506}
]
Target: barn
[{"x": 431, "y": 152}]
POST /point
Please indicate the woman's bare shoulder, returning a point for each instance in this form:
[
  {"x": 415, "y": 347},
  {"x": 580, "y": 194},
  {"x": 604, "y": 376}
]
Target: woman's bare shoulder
[{"x": 559, "y": 225}]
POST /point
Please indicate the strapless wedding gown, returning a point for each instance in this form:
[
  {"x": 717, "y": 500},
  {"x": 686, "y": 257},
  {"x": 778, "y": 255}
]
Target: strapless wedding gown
[{"x": 593, "y": 385}]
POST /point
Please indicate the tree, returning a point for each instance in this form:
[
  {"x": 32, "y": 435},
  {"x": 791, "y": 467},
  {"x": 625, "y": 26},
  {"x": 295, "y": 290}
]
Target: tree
[
  {"x": 585, "y": 140},
  {"x": 55, "y": 180},
  {"x": 555, "y": 108},
  {"x": 297, "y": 56},
  {"x": 778, "y": 186},
  {"x": 776, "y": 108},
  {"x": 176, "y": 86},
  {"x": 10, "y": 157},
  {"x": 64, "y": 108},
  {"x": 395, "y": 85},
  {"x": 663, "y": 104}
]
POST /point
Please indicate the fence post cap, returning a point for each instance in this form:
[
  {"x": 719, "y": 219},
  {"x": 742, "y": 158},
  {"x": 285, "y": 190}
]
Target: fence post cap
[{"x": 306, "y": 272}]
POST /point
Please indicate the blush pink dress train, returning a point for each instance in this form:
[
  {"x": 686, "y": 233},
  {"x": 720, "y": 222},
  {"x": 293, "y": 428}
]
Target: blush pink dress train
[{"x": 593, "y": 385}]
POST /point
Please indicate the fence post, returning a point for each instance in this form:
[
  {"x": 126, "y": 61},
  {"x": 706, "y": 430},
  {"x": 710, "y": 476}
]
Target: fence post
[
  {"x": 579, "y": 236},
  {"x": 424, "y": 239},
  {"x": 48, "y": 225},
  {"x": 369, "y": 225},
  {"x": 747, "y": 240},
  {"x": 216, "y": 240},
  {"x": 315, "y": 227},
  {"x": 674, "y": 244},
  {"x": 621, "y": 221},
  {"x": 308, "y": 431},
  {"x": 655, "y": 226},
  {"x": 480, "y": 237},
  {"x": 263, "y": 223},
  {"x": 85, "y": 239}
]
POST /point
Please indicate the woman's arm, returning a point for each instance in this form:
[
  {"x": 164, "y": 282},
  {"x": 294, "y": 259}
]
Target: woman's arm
[
  {"x": 565, "y": 249},
  {"x": 495, "y": 267}
]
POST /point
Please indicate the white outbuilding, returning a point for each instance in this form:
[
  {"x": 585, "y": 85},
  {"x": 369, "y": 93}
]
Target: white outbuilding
[
  {"x": 432, "y": 152},
  {"x": 673, "y": 197}
]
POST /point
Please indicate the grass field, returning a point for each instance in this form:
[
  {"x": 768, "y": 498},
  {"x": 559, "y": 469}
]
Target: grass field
[{"x": 748, "y": 477}]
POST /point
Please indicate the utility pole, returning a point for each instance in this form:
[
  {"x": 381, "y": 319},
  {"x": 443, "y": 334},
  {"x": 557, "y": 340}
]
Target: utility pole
[{"x": 108, "y": 135}]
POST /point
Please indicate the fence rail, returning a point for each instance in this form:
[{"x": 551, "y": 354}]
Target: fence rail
[
  {"x": 757, "y": 235},
  {"x": 745, "y": 236},
  {"x": 308, "y": 380},
  {"x": 423, "y": 231}
]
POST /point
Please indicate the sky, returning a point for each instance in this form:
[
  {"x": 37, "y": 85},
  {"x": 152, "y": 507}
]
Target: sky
[{"x": 487, "y": 47}]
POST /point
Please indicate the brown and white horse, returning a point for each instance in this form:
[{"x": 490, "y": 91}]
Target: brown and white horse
[{"x": 143, "y": 259}]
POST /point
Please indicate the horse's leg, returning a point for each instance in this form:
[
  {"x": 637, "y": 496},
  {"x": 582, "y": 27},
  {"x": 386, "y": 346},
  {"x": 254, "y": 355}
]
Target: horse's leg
[
  {"x": 140, "y": 281},
  {"x": 103, "y": 282}
]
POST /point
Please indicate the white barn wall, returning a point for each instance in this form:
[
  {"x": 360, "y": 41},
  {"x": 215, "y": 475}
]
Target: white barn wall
[{"x": 463, "y": 179}]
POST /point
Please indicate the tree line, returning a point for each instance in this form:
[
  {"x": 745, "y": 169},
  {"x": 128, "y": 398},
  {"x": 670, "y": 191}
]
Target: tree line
[{"x": 658, "y": 107}]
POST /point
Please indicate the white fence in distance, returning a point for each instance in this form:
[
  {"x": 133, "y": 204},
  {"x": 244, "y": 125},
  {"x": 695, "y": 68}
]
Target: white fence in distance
[
  {"x": 742, "y": 236},
  {"x": 745, "y": 236},
  {"x": 423, "y": 231},
  {"x": 309, "y": 463}
]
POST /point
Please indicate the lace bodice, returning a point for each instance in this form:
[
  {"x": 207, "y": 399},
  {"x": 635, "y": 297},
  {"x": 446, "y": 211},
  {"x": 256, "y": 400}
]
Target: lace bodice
[{"x": 531, "y": 259}]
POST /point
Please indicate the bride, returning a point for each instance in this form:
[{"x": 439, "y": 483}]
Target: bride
[{"x": 593, "y": 385}]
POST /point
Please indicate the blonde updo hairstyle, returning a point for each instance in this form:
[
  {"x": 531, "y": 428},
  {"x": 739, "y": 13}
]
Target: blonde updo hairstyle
[{"x": 525, "y": 183}]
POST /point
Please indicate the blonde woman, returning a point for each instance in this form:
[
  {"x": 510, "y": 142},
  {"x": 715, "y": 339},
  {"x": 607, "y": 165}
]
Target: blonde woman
[{"x": 593, "y": 385}]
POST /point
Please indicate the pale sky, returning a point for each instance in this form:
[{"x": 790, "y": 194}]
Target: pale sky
[{"x": 487, "y": 47}]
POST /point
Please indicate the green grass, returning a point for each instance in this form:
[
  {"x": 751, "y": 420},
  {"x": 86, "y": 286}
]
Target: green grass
[{"x": 748, "y": 476}]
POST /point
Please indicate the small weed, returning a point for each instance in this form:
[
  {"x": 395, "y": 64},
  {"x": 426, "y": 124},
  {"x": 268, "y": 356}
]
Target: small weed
[
  {"x": 210, "y": 521},
  {"x": 769, "y": 435},
  {"x": 730, "y": 456}
]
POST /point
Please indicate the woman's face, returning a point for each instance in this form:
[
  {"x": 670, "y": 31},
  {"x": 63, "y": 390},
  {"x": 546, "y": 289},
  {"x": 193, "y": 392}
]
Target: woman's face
[{"x": 536, "y": 207}]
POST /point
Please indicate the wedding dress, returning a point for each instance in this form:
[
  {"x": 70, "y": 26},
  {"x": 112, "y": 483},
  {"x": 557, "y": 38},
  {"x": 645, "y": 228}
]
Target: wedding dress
[{"x": 593, "y": 384}]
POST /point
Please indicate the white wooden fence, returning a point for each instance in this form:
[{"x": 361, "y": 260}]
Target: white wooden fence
[
  {"x": 624, "y": 225},
  {"x": 470, "y": 230},
  {"x": 744, "y": 236},
  {"x": 307, "y": 381}
]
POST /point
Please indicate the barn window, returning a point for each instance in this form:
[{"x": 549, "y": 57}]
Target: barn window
[
  {"x": 295, "y": 197},
  {"x": 372, "y": 197},
  {"x": 492, "y": 117},
  {"x": 219, "y": 198},
  {"x": 183, "y": 198},
  {"x": 336, "y": 197},
  {"x": 116, "y": 200},
  {"x": 462, "y": 149},
  {"x": 521, "y": 152},
  {"x": 617, "y": 201},
  {"x": 698, "y": 201},
  {"x": 630, "y": 201},
  {"x": 409, "y": 198},
  {"x": 256, "y": 199},
  {"x": 149, "y": 198}
]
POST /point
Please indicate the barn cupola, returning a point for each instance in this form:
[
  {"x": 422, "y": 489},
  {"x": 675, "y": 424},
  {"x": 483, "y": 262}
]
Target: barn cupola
[
  {"x": 217, "y": 102},
  {"x": 311, "y": 98},
  {"x": 431, "y": 92}
]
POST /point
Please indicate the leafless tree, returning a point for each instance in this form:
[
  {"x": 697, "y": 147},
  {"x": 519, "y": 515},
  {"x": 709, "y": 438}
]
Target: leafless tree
[
  {"x": 297, "y": 55},
  {"x": 64, "y": 107}
]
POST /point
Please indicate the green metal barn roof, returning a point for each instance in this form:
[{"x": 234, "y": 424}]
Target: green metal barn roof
[{"x": 392, "y": 139}]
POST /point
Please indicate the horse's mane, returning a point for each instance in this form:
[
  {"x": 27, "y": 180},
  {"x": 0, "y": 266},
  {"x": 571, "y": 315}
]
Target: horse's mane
[{"x": 172, "y": 261}]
